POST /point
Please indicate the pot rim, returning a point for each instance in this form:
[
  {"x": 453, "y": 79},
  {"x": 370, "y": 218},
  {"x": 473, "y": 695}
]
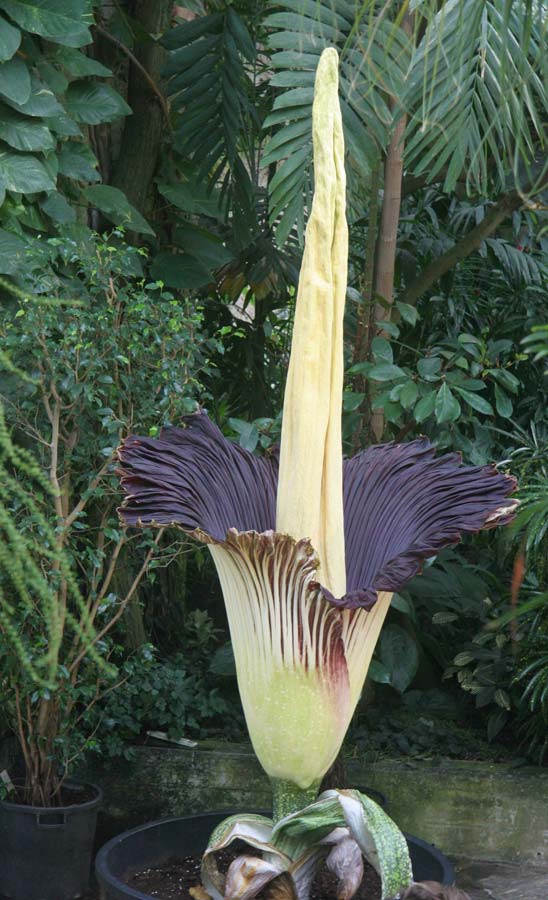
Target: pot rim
[
  {"x": 70, "y": 807},
  {"x": 105, "y": 875}
]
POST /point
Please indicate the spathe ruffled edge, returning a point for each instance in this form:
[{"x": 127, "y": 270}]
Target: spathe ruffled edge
[{"x": 398, "y": 496}]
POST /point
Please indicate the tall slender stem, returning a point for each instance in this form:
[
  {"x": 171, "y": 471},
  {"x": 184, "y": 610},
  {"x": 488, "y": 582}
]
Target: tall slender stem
[
  {"x": 385, "y": 261},
  {"x": 288, "y": 798}
]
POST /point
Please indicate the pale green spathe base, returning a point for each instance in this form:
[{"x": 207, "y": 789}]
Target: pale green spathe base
[{"x": 295, "y": 724}]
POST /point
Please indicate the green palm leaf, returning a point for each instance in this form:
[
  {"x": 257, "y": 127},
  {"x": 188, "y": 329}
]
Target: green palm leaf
[
  {"x": 374, "y": 59},
  {"x": 477, "y": 100},
  {"x": 210, "y": 91}
]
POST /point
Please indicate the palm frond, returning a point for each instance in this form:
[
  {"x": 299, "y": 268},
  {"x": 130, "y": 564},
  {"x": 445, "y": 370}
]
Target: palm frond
[
  {"x": 374, "y": 60},
  {"x": 477, "y": 96},
  {"x": 521, "y": 268},
  {"x": 210, "y": 90}
]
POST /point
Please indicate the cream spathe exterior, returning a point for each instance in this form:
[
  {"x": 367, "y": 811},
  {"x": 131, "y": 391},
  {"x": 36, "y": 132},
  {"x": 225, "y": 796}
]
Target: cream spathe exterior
[{"x": 310, "y": 497}]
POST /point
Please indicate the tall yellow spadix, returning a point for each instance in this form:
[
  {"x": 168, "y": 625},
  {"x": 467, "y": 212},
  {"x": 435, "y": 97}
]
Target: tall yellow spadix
[{"x": 310, "y": 501}]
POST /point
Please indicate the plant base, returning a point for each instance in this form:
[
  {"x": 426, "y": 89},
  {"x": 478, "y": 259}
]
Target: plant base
[
  {"x": 156, "y": 842},
  {"x": 287, "y": 798}
]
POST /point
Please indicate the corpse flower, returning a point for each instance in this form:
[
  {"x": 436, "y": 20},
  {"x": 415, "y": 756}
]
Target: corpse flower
[{"x": 309, "y": 550}]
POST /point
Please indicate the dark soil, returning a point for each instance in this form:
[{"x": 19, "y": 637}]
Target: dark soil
[{"x": 172, "y": 880}]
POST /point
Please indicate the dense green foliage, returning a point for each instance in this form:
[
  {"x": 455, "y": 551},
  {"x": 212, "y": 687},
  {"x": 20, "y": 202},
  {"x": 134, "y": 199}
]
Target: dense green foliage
[
  {"x": 120, "y": 354},
  {"x": 51, "y": 91},
  {"x": 210, "y": 177},
  {"x": 185, "y": 695}
]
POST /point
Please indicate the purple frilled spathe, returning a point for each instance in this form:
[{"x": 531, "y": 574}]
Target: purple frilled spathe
[{"x": 402, "y": 504}]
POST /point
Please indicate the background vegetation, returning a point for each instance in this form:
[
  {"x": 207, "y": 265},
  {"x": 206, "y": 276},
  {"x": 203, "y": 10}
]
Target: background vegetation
[{"x": 155, "y": 176}]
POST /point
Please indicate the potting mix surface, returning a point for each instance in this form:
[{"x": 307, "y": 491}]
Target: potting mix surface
[{"x": 179, "y": 879}]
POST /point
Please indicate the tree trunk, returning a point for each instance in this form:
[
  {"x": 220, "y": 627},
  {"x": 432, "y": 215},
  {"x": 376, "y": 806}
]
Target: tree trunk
[
  {"x": 37, "y": 739},
  {"x": 142, "y": 138},
  {"x": 134, "y": 627},
  {"x": 506, "y": 205},
  {"x": 362, "y": 343},
  {"x": 388, "y": 233},
  {"x": 390, "y": 217},
  {"x": 386, "y": 246}
]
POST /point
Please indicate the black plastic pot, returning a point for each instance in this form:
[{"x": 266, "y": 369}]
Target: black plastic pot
[
  {"x": 46, "y": 852},
  {"x": 156, "y": 842}
]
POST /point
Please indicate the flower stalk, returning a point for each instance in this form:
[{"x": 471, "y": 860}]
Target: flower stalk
[{"x": 288, "y": 798}]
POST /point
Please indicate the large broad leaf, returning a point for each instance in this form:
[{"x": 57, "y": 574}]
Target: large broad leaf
[
  {"x": 22, "y": 133},
  {"x": 374, "y": 58},
  {"x": 78, "y": 64},
  {"x": 12, "y": 249},
  {"x": 24, "y": 174},
  {"x": 62, "y": 21},
  {"x": 15, "y": 80},
  {"x": 193, "y": 197},
  {"x": 10, "y": 38},
  {"x": 179, "y": 270},
  {"x": 58, "y": 209},
  {"x": 63, "y": 125},
  {"x": 203, "y": 245},
  {"x": 378, "y": 672},
  {"x": 93, "y": 102},
  {"x": 76, "y": 160},
  {"x": 114, "y": 204},
  {"x": 399, "y": 655},
  {"x": 41, "y": 102},
  {"x": 51, "y": 164},
  {"x": 340, "y": 815}
]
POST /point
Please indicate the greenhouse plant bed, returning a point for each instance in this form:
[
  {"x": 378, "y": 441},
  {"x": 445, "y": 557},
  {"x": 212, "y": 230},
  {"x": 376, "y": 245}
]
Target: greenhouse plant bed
[{"x": 158, "y": 842}]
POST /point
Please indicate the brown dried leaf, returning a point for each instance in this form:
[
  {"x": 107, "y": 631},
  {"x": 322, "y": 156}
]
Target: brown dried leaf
[
  {"x": 247, "y": 876},
  {"x": 199, "y": 893},
  {"x": 346, "y": 862}
]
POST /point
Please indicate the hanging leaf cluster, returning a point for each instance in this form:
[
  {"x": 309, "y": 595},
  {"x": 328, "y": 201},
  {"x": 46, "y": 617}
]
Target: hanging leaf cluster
[
  {"x": 210, "y": 91},
  {"x": 477, "y": 94},
  {"x": 374, "y": 60},
  {"x": 470, "y": 75},
  {"x": 50, "y": 90}
]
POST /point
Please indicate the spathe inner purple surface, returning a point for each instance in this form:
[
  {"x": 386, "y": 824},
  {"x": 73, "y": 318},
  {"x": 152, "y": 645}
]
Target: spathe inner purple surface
[{"x": 401, "y": 503}]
